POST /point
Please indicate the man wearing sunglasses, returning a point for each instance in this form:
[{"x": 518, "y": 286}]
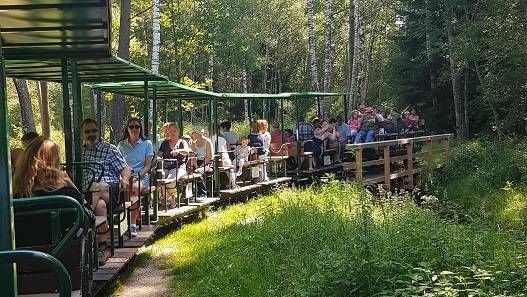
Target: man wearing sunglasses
[{"x": 116, "y": 174}]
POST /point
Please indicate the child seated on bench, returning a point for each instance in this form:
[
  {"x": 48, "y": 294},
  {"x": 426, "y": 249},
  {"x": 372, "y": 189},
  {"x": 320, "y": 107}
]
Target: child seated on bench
[{"x": 242, "y": 152}]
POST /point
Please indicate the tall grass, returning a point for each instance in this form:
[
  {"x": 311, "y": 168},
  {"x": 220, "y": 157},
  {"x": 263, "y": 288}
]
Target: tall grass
[
  {"x": 337, "y": 241},
  {"x": 484, "y": 182}
]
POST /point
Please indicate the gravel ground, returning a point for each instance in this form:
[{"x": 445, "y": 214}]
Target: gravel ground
[{"x": 150, "y": 279}]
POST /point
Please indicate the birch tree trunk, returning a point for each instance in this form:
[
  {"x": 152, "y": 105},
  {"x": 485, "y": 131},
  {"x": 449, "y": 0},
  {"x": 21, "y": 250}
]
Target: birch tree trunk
[
  {"x": 156, "y": 35},
  {"x": 328, "y": 58},
  {"x": 123, "y": 51},
  {"x": 210, "y": 72},
  {"x": 312, "y": 46},
  {"x": 454, "y": 77},
  {"x": 358, "y": 60},
  {"x": 351, "y": 51},
  {"x": 26, "y": 109},
  {"x": 44, "y": 108},
  {"x": 244, "y": 90},
  {"x": 367, "y": 66}
]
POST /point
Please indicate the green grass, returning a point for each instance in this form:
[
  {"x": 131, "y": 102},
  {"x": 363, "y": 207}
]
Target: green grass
[{"x": 337, "y": 241}]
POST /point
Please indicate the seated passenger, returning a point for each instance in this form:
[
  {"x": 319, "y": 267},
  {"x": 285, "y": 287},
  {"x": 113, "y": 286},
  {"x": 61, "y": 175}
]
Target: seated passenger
[
  {"x": 276, "y": 140},
  {"x": 116, "y": 174},
  {"x": 354, "y": 123},
  {"x": 343, "y": 133},
  {"x": 138, "y": 153},
  {"x": 230, "y": 137},
  {"x": 202, "y": 147},
  {"x": 225, "y": 160},
  {"x": 17, "y": 152},
  {"x": 415, "y": 119},
  {"x": 395, "y": 123},
  {"x": 407, "y": 122},
  {"x": 369, "y": 124},
  {"x": 242, "y": 152},
  {"x": 266, "y": 144},
  {"x": 304, "y": 131},
  {"x": 175, "y": 150},
  {"x": 325, "y": 133},
  {"x": 39, "y": 174},
  {"x": 188, "y": 139}
]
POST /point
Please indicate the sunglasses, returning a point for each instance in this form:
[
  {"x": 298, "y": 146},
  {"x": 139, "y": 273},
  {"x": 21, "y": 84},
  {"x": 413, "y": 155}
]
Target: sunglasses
[
  {"x": 134, "y": 127},
  {"x": 91, "y": 131}
]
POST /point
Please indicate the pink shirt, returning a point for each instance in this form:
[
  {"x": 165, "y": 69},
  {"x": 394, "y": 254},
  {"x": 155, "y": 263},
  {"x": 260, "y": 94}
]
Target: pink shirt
[{"x": 354, "y": 124}]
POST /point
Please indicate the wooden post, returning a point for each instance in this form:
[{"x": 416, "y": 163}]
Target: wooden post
[
  {"x": 358, "y": 165},
  {"x": 446, "y": 143},
  {"x": 410, "y": 160},
  {"x": 387, "y": 171},
  {"x": 430, "y": 157}
]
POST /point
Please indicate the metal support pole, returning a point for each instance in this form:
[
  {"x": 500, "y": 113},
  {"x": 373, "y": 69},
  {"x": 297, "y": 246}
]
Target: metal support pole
[
  {"x": 7, "y": 232},
  {"x": 216, "y": 149},
  {"x": 346, "y": 111},
  {"x": 154, "y": 140},
  {"x": 298, "y": 156},
  {"x": 68, "y": 133},
  {"x": 78, "y": 116},
  {"x": 250, "y": 107},
  {"x": 282, "y": 123},
  {"x": 180, "y": 117},
  {"x": 100, "y": 111},
  {"x": 165, "y": 110},
  {"x": 318, "y": 107},
  {"x": 146, "y": 120},
  {"x": 211, "y": 118}
]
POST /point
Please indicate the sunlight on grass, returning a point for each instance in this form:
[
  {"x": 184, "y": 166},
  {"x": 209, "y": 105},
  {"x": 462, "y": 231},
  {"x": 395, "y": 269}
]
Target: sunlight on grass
[{"x": 334, "y": 241}]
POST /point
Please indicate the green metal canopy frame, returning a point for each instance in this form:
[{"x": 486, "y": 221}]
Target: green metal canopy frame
[
  {"x": 110, "y": 69},
  {"x": 33, "y": 29}
]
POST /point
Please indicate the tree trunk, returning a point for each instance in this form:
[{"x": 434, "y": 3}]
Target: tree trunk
[
  {"x": 123, "y": 51},
  {"x": 454, "y": 77},
  {"x": 93, "y": 104},
  {"x": 312, "y": 46},
  {"x": 351, "y": 52},
  {"x": 328, "y": 58},
  {"x": 44, "y": 108},
  {"x": 367, "y": 66},
  {"x": 358, "y": 59},
  {"x": 429, "y": 56},
  {"x": 244, "y": 90},
  {"x": 465, "y": 96},
  {"x": 156, "y": 35},
  {"x": 26, "y": 109},
  {"x": 210, "y": 72}
]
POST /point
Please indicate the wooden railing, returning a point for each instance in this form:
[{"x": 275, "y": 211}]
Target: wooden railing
[{"x": 399, "y": 158}]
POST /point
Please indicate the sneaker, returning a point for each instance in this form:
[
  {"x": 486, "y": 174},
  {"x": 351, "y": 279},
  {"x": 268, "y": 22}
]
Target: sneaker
[
  {"x": 104, "y": 254},
  {"x": 133, "y": 230}
]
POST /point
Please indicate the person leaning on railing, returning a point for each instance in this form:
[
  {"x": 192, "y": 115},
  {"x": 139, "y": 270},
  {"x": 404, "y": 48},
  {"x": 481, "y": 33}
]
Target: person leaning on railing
[
  {"x": 116, "y": 174},
  {"x": 138, "y": 153}
]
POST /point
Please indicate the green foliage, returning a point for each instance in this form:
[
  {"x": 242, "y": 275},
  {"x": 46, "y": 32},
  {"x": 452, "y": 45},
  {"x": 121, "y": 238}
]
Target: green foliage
[
  {"x": 334, "y": 240},
  {"x": 484, "y": 182}
]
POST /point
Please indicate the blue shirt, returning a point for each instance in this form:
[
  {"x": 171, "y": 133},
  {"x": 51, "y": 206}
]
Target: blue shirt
[
  {"x": 344, "y": 131},
  {"x": 135, "y": 155}
]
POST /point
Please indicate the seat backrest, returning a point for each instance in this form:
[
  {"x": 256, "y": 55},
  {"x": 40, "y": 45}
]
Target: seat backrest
[{"x": 43, "y": 227}]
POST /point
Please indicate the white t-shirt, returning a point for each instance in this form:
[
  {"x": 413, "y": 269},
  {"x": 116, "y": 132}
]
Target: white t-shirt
[{"x": 221, "y": 144}]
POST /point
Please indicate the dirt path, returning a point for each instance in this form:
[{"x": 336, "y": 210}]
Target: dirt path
[{"x": 149, "y": 279}]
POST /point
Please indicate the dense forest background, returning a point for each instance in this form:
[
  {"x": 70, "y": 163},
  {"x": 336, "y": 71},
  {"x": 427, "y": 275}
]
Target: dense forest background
[{"x": 461, "y": 63}]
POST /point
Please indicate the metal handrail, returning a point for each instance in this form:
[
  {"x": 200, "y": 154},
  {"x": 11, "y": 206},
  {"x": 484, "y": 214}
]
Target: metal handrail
[
  {"x": 63, "y": 278},
  {"x": 56, "y": 199}
]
